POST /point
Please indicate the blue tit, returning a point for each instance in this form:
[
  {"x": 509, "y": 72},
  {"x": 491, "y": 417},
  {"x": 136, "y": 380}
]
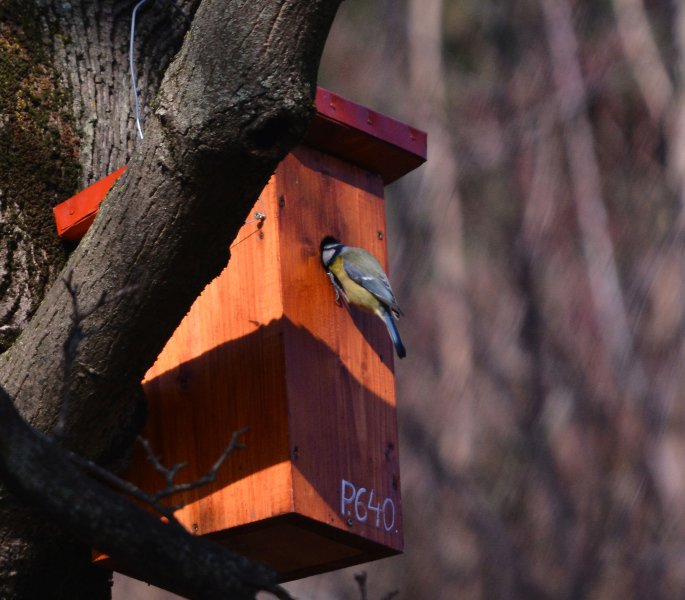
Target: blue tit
[{"x": 359, "y": 278}]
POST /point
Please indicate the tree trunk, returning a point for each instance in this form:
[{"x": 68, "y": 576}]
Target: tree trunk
[{"x": 218, "y": 120}]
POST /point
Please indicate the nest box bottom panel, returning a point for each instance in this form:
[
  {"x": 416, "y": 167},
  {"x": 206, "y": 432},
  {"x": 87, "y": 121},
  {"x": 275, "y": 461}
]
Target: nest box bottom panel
[
  {"x": 266, "y": 347},
  {"x": 298, "y": 546}
]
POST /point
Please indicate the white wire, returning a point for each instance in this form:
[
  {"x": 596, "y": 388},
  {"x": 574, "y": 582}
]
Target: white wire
[{"x": 133, "y": 66}]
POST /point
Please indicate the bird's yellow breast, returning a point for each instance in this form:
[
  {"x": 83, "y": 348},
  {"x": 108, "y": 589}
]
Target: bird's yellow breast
[{"x": 356, "y": 294}]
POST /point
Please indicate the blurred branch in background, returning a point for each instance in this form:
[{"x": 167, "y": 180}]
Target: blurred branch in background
[
  {"x": 677, "y": 134},
  {"x": 593, "y": 222},
  {"x": 641, "y": 50}
]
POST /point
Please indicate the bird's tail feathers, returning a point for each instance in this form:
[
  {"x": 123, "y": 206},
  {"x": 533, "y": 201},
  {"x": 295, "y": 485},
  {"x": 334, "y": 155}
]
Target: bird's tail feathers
[{"x": 394, "y": 334}]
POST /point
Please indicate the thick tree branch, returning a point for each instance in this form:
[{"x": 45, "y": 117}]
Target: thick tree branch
[
  {"x": 171, "y": 558},
  {"x": 75, "y": 336},
  {"x": 234, "y": 101}
]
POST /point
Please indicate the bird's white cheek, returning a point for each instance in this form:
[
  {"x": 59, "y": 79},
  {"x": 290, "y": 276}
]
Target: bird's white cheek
[{"x": 326, "y": 256}]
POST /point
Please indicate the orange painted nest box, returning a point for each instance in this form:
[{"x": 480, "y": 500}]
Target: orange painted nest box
[{"x": 265, "y": 346}]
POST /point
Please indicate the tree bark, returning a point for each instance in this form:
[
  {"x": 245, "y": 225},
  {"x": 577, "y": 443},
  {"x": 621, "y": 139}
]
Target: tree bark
[{"x": 235, "y": 99}]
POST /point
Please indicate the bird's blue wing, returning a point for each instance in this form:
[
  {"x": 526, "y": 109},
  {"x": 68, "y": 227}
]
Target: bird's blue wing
[{"x": 371, "y": 277}]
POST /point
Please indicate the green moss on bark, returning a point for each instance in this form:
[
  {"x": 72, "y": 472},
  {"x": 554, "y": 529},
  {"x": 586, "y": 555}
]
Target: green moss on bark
[{"x": 39, "y": 165}]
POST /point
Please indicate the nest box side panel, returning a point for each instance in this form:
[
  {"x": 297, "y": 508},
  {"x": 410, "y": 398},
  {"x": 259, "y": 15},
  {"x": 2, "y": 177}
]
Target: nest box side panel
[
  {"x": 339, "y": 361},
  {"x": 221, "y": 371}
]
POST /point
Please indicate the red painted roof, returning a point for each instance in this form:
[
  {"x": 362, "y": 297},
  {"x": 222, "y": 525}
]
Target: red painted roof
[
  {"x": 342, "y": 128},
  {"x": 365, "y": 137}
]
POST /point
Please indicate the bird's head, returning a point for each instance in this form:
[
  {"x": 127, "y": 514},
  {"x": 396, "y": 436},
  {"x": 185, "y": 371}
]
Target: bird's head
[{"x": 330, "y": 248}]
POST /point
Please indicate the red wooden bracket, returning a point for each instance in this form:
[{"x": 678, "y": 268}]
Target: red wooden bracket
[{"x": 74, "y": 216}]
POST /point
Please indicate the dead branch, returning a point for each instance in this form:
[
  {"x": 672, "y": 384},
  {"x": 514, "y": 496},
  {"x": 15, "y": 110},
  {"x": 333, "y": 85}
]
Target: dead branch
[
  {"x": 153, "y": 499},
  {"x": 171, "y": 472}
]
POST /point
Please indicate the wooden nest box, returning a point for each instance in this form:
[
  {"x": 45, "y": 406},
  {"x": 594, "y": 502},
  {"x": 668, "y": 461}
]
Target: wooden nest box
[{"x": 266, "y": 347}]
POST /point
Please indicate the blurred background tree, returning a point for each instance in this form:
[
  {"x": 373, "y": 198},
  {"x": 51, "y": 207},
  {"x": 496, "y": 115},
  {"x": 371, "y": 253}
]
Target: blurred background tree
[{"x": 539, "y": 256}]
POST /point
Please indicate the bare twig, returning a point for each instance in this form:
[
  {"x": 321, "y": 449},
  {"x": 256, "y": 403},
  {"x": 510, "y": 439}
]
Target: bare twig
[
  {"x": 153, "y": 499},
  {"x": 171, "y": 472},
  {"x": 360, "y": 578},
  {"x": 127, "y": 487}
]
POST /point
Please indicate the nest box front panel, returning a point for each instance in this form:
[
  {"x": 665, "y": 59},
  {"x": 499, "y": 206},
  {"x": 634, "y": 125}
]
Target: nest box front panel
[{"x": 339, "y": 360}]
